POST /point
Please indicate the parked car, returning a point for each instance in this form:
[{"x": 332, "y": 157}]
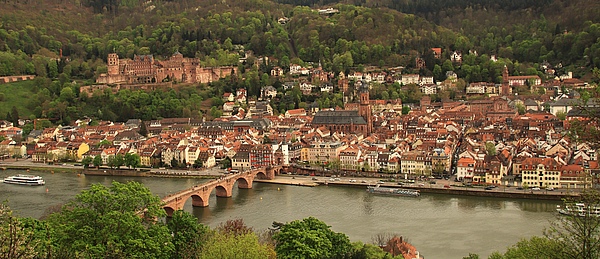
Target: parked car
[
  {"x": 535, "y": 189},
  {"x": 549, "y": 189},
  {"x": 447, "y": 186},
  {"x": 489, "y": 188},
  {"x": 352, "y": 180}
]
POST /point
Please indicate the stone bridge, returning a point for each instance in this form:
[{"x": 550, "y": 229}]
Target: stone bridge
[{"x": 223, "y": 187}]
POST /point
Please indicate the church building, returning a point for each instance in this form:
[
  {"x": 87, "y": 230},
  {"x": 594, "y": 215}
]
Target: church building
[{"x": 348, "y": 121}]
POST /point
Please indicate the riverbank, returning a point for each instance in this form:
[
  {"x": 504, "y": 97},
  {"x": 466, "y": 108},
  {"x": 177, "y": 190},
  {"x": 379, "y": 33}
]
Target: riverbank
[
  {"x": 297, "y": 180},
  {"x": 499, "y": 192},
  {"x": 27, "y": 165}
]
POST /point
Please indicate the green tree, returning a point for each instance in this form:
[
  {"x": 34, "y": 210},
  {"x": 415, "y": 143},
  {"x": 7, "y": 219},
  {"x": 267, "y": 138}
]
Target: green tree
[
  {"x": 225, "y": 163},
  {"x": 535, "y": 247},
  {"x": 578, "y": 236},
  {"x": 490, "y": 148},
  {"x": 361, "y": 250},
  {"x": 520, "y": 108},
  {"x": 310, "y": 238},
  {"x": 86, "y": 161},
  {"x": 116, "y": 161},
  {"x": 405, "y": 109},
  {"x": 561, "y": 115},
  {"x": 143, "y": 130},
  {"x": 198, "y": 163},
  {"x": 132, "y": 160},
  {"x": 224, "y": 246},
  {"x": 97, "y": 161},
  {"x": 188, "y": 234},
  {"x": 112, "y": 222},
  {"x": 16, "y": 240},
  {"x": 14, "y": 116}
]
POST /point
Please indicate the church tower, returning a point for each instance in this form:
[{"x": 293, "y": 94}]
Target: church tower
[
  {"x": 113, "y": 64},
  {"x": 364, "y": 109},
  {"x": 505, "y": 88}
]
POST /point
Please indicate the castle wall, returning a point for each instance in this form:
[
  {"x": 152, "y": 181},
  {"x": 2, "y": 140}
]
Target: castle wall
[{"x": 146, "y": 70}]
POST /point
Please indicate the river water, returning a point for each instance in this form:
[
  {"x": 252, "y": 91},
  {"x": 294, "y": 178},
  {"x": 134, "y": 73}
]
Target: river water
[{"x": 440, "y": 226}]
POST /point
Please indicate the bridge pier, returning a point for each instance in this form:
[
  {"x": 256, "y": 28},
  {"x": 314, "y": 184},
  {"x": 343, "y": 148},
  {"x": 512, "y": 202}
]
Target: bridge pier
[
  {"x": 224, "y": 191},
  {"x": 197, "y": 201}
]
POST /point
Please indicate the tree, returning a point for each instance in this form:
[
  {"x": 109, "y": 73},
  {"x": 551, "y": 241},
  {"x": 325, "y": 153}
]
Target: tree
[
  {"x": 221, "y": 245},
  {"x": 520, "y": 108},
  {"x": 14, "y": 116},
  {"x": 174, "y": 163},
  {"x": 112, "y": 222},
  {"x": 535, "y": 247},
  {"x": 578, "y": 236},
  {"x": 361, "y": 250},
  {"x": 188, "y": 234},
  {"x": 197, "y": 164},
  {"x": 16, "y": 241},
  {"x": 225, "y": 163},
  {"x": 405, "y": 109},
  {"x": 490, "y": 148},
  {"x": 143, "y": 131},
  {"x": 97, "y": 161},
  {"x": 132, "y": 160},
  {"x": 116, "y": 161},
  {"x": 310, "y": 238},
  {"x": 86, "y": 161}
]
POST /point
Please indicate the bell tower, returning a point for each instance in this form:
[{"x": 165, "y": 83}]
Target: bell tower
[
  {"x": 505, "y": 88},
  {"x": 364, "y": 109}
]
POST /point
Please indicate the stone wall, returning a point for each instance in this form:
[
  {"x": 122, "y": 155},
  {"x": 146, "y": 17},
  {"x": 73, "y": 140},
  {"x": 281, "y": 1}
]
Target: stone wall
[{"x": 10, "y": 79}]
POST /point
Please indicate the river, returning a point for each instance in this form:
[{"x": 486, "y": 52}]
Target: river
[{"x": 440, "y": 226}]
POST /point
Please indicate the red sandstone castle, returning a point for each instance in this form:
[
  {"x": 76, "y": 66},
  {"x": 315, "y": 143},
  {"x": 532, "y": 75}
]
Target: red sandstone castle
[{"x": 144, "y": 69}]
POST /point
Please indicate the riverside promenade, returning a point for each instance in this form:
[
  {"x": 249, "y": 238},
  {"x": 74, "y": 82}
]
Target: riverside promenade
[{"x": 310, "y": 181}]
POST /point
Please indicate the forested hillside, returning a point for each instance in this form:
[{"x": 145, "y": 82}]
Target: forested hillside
[{"x": 67, "y": 41}]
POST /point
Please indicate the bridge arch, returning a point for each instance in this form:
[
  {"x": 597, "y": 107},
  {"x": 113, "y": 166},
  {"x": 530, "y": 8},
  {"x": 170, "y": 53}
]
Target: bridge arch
[
  {"x": 224, "y": 190},
  {"x": 169, "y": 211},
  {"x": 244, "y": 183},
  {"x": 198, "y": 201}
]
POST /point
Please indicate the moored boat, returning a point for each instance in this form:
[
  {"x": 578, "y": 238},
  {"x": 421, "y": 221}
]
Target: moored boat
[
  {"x": 393, "y": 191},
  {"x": 579, "y": 209},
  {"x": 24, "y": 179}
]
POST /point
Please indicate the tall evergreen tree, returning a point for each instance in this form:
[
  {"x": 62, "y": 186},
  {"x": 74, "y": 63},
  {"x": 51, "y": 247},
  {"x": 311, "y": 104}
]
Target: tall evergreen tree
[
  {"x": 143, "y": 130},
  {"x": 14, "y": 116}
]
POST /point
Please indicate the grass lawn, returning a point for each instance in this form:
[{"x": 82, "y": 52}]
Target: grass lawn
[{"x": 16, "y": 94}]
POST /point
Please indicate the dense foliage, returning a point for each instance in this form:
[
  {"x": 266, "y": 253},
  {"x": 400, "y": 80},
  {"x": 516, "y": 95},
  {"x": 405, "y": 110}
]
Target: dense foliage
[
  {"x": 575, "y": 236},
  {"x": 125, "y": 221},
  {"x": 310, "y": 238},
  {"x": 70, "y": 52}
]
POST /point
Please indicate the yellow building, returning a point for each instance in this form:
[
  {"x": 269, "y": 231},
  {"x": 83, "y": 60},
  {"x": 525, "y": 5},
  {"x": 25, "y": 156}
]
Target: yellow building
[
  {"x": 540, "y": 172},
  {"x": 324, "y": 152}
]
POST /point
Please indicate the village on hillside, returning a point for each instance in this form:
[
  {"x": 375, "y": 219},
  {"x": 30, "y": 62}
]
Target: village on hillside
[{"x": 499, "y": 138}]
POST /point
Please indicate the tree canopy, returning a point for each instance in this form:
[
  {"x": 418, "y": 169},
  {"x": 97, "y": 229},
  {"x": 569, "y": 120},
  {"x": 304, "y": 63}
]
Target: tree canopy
[{"x": 112, "y": 222}]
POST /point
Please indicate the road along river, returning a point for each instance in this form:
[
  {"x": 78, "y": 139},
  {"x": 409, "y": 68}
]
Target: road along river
[{"x": 440, "y": 226}]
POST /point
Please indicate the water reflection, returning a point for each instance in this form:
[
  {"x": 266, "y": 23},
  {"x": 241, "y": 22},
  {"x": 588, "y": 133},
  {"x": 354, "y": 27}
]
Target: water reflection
[
  {"x": 537, "y": 206},
  {"x": 367, "y": 201}
]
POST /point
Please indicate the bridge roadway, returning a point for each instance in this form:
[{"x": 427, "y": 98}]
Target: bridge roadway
[{"x": 223, "y": 186}]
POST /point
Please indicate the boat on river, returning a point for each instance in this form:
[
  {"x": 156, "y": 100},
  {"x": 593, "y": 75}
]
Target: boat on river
[
  {"x": 579, "y": 209},
  {"x": 393, "y": 191},
  {"x": 24, "y": 179}
]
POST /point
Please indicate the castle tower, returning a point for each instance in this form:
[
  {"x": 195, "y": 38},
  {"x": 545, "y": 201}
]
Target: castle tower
[
  {"x": 113, "y": 64},
  {"x": 364, "y": 109}
]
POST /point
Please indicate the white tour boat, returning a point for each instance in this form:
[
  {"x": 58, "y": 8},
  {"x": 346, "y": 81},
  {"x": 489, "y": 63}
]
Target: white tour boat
[{"x": 23, "y": 179}]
